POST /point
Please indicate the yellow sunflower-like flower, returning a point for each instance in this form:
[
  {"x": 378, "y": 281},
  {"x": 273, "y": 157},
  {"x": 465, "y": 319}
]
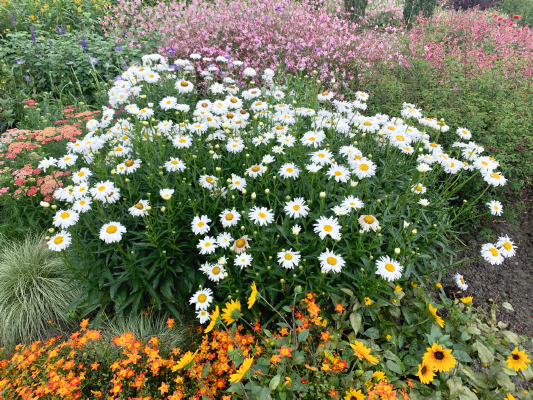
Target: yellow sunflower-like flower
[
  {"x": 441, "y": 359},
  {"x": 368, "y": 301},
  {"x": 243, "y": 369},
  {"x": 360, "y": 351},
  {"x": 232, "y": 312},
  {"x": 467, "y": 300},
  {"x": 425, "y": 373},
  {"x": 214, "y": 317},
  {"x": 354, "y": 394},
  {"x": 438, "y": 319},
  {"x": 518, "y": 360},
  {"x": 379, "y": 375},
  {"x": 185, "y": 359},
  {"x": 253, "y": 296}
]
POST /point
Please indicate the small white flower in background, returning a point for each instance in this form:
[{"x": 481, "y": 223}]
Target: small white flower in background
[
  {"x": 237, "y": 183},
  {"x": 63, "y": 219},
  {"x": 47, "y": 163},
  {"x": 166, "y": 194},
  {"x": 464, "y": 133},
  {"x": 313, "y": 168},
  {"x": 203, "y": 316},
  {"x": 200, "y": 225},
  {"x": 249, "y": 72},
  {"x": 60, "y": 241},
  {"x": 423, "y": 167},
  {"x": 325, "y": 96},
  {"x": 139, "y": 209},
  {"x": 327, "y": 226},
  {"x": 168, "y": 103},
  {"x": 296, "y": 229},
  {"x": 82, "y": 205},
  {"x": 289, "y": 170},
  {"x": 44, "y": 204},
  {"x": 418, "y": 189},
  {"x": 112, "y": 232},
  {"x": 496, "y": 207},
  {"x": 494, "y": 178},
  {"x": 267, "y": 159},
  {"x": 352, "y": 203},
  {"x": 492, "y": 254},
  {"x": 339, "y": 173},
  {"x": 243, "y": 260},
  {"x": 175, "y": 164},
  {"x": 195, "y": 56},
  {"x": 289, "y": 259},
  {"x": 67, "y": 161},
  {"x": 340, "y": 210},
  {"x": 207, "y": 245},
  {"x": 296, "y": 208},
  {"x": 330, "y": 261},
  {"x": 224, "y": 240},
  {"x": 506, "y": 246},
  {"x": 361, "y": 96},
  {"x": 423, "y": 202},
  {"x": 460, "y": 282},
  {"x": 202, "y": 299},
  {"x": 406, "y": 224},
  {"x": 388, "y": 268}
]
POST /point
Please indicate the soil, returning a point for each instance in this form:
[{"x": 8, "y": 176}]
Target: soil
[{"x": 511, "y": 281}]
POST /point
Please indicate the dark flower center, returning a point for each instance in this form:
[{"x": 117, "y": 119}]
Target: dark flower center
[
  {"x": 439, "y": 355},
  {"x": 516, "y": 357},
  {"x": 424, "y": 370}
]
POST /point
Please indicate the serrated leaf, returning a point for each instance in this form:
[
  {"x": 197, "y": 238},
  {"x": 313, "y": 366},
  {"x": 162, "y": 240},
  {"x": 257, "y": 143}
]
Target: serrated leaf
[
  {"x": 303, "y": 335},
  {"x": 274, "y": 382}
]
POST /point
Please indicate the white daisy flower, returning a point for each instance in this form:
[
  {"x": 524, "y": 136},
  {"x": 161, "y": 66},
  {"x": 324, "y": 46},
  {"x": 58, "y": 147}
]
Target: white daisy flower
[
  {"x": 459, "y": 280},
  {"x": 65, "y": 218},
  {"x": 327, "y": 226},
  {"x": 207, "y": 245},
  {"x": 418, "y": 189},
  {"x": 330, "y": 261},
  {"x": 313, "y": 168},
  {"x": 464, "y": 133},
  {"x": 506, "y": 246},
  {"x": 203, "y": 316},
  {"x": 255, "y": 170},
  {"x": 80, "y": 190},
  {"x": 82, "y": 205},
  {"x": 60, "y": 241},
  {"x": 368, "y": 222},
  {"x": 388, "y": 269},
  {"x": 229, "y": 218},
  {"x": 496, "y": 207},
  {"x": 202, "y": 299},
  {"x": 168, "y": 103},
  {"x": 339, "y": 173},
  {"x": 340, "y": 210},
  {"x": 321, "y": 157},
  {"x": 217, "y": 88},
  {"x": 495, "y": 178},
  {"x": 289, "y": 170},
  {"x": 492, "y": 254},
  {"x": 182, "y": 141},
  {"x": 249, "y": 72},
  {"x": 112, "y": 232},
  {"x": 175, "y": 164},
  {"x": 423, "y": 202},
  {"x": 243, "y": 260},
  {"x": 237, "y": 183},
  {"x": 289, "y": 259},
  {"x": 267, "y": 159},
  {"x": 216, "y": 272},
  {"x": 486, "y": 164},
  {"x": 296, "y": 208},
  {"x": 139, "y": 209},
  {"x": 224, "y": 240},
  {"x": 325, "y": 96},
  {"x": 67, "y": 161},
  {"x": 166, "y": 194},
  {"x": 207, "y": 181},
  {"x": 46, "y": 163},
  {"x": 352, "y": 202},
  {"x": 200, "y": 225},
  {"x": 82, "y": 175},
  {"x": 313, "y": 138},
  {"x": 261, "y": 215},
  {"x": 184, "y": 86},
  {"x": 363, "y": 168},
  {"x": 423, "y": 167}
]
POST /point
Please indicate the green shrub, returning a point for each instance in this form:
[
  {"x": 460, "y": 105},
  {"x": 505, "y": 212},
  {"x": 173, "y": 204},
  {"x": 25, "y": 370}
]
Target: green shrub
[
  {"x": 523, "y": 8},
  {"x": 33, "y": 295}
]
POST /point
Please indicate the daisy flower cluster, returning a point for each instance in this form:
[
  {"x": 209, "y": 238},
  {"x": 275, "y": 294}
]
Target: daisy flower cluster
[{"x": 218, "y": 182}]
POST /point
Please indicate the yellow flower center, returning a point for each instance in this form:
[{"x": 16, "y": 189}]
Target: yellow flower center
[
  {"x": 229, "y": 116},
  {"x": 262, "y": 215},
  {"x": 279, "y": 127},
  {"x": 139, "y": 206},
  {"x": 82, "y": 202},
  {"x": 209, "y": 179},
  {"x": 296, "y": 207},
  {"x": 174, "y": 162},
  {"x": 216, "y": 270},
  {"x": 202, "y": 298},
  {"x": 494, "y": 252},
  {"x": 65, "y": 215},
  {"x": 462, "y": 281},
  {"x": 111, "y": 229},
  {"x": 312, "y": 139},
  {"x": 118, "y": 149},
  {"x": 255, "y": 169},
  {"x": 328, "y": 228},
  {"x": 325, "y": 93},
  {"x": 289, "y": 170},
  {"x": 184, "y": 84},
  {"x": 495, "y": 175},
  {"x": 338, "y": 173},
  {"x": 507, "y": 246},
  {"x": 390, "y": 267},
  {"x": 240, "y": 243},
  {"x": 200, "y": 224},
  {"x": 229, "y": 216},
  {"x": 433, "y": 144},
  {"x": 321, "y": 155},
  {"x": 81, "y": 173},
  {"x": 369, "y": 219},
  {"x": 331, "y": 260},
  {"x": 418, "y": 188},
  {"x": 129, "y": 163},
  {"x": 288, "y": 256},
  {"x": 367, "y": 123},
  {"x": 182, "y": 140},
  {"x": 234, "y": 100},
  {"x": 400, "y": 138},
  {"x": 364, "y": 167},
  {"x": 58, "y": 240},
  {"x": 101, "y": 188}
]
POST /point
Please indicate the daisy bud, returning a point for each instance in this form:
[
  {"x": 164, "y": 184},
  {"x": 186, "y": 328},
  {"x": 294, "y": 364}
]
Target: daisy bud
[
  {"x": 353, "y": 184},
  {"x": 333, "y": 80},
  {"x": 420, "y": 149},
  {"x": 318, "y": 81},
  {"x": 371, "y": 257},
  {"x": 211, "y": 152},
  {"x": 322, "y": 195},
  {"x": 465, "y": 201},
  {"x": 378, "y": 228},
  {"x": 247, "y": 155},
  {"x": 265, "y": 169},
  {"x": 47, "y": 238},
  {"x": 380, "y": 133},
  {"x": 363, "y": 135},
  {"x": 414, "y": 231},
  {"x": 361, "y": 232},
  {"x": 194, "y": 156},
  {"x": 267, "y": 191},
  {"x": 163, "y": 209},
  {"x": 242, "y": 228},
  {"x": 177, "y": 113},
  {"x": 51, "y": 230},
  {"x": 127, "y": 180},
  {"x": 148, "y": 208},
  {"x": 296, "y": 230},
  {"x": 132, "y": 252},
  {"x": 54, "y": 207},
  {"x": 157, "y": 134},
  {"x": 378, "y": 200},
  {"x": 297, "y": 289},
  {"x": 164, "y": 252},
  {"x": 145, "y": 123},
  {"x": 397, "y": 250},
  {"x": 379, "y": 234},
  {"x": 288, "y": 197},
  {"x": 243, "y": 191},
  {"x": 254, "y": 196},
  {"x": 255, "y": 116},
  {"x": 113, "y": 172},
  {"x": 144, "y": 139},
  {"x": 315, "y": 72},
  {"x": 269, "y": 266},
  {"x": 45, "y": 204},
  {"x": 143, "y": 96},
  {"x": 370, "y": 156},
  {"x": 406, "y": 224},
  {"x": 252, "y": 83}
]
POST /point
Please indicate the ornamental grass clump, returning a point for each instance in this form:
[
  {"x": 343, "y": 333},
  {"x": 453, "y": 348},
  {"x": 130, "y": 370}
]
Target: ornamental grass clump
[
  {"x": 34, "y": 297},
  {"x": 176, "y": 188}
]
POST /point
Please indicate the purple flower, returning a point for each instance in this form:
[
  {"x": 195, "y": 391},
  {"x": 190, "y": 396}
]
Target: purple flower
[
  {"x": 71, "y": 63},
  {"x": 27, "y": 77},
  {"x": 32, "y": 31},
  {"x": 170, "y": 51},
  {"x": 20, "y": 62},
  {"x": 11, "y": 18},
  {"x": 93, "y": 61},
  {"x": 118, "y": 78},
  {"x": 84, "y": 42},
  {"x": 105, "y": 76},
  {"x": 118, "y": 48},
  {"x": 228, "y": 57}
]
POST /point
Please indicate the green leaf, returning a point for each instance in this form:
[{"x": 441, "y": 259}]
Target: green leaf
[
  {"x": 303, "y": 335},
  {"x": 462, "y": 355},
  {"x": 394, "y": 367},
  {"x": 511, "y": 337},
  {"x": 485, "y": 355},
  {"x": 503, "y": 379},
  {"x": 467, "y": 394},
  {"x": 528, "y": 373},
  {"x": 372, "y": 332},
  {"x": 455, "y": 385},
  {"x": 205, "y": 369},
  {"x": 274, "y": 382},
  {"x": 356, "y": 321},
  {"x": 348, "y": 292}
]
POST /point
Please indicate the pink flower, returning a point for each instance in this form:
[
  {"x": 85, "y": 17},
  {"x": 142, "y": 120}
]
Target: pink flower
[
  {"x": 36, "y": 171},
  {"x": 20, "y": 181},
  {"x": 32, "y": 191},
  {"x": 4, "y": 190}
]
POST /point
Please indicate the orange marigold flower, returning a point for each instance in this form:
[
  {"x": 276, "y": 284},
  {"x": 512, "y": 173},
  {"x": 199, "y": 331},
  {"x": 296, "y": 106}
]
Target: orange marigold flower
[
  {"x": 325, "y": 336},
  {"x": 170, "y": 323},
  {"x": 275, "y": 359},
  {"x": 284, "y": 332},
  {"x": 285, "y": 351},
  {"x": 333, "y": 393},
  {"x": 163, "y": 388},
  {"x": 339, "y": 308},
  {"x": 84, "y": 324}
]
